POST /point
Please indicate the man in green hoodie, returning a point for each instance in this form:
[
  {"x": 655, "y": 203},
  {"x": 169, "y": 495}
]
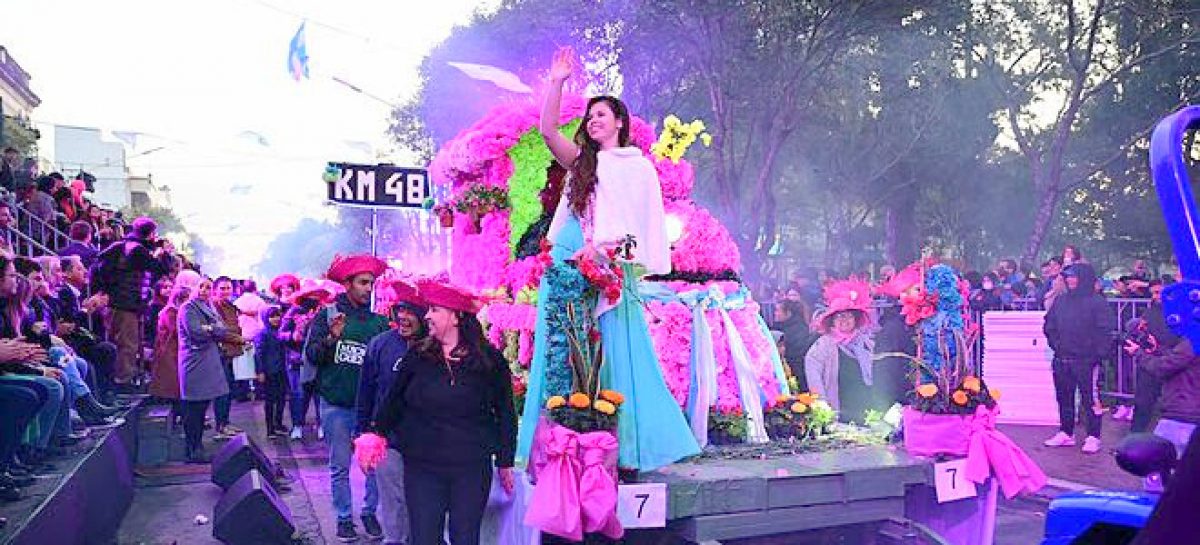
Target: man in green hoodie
[{"x": 336, "y": 345}]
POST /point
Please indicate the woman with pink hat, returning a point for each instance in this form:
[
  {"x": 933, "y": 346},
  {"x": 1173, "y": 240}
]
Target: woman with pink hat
[
  {"x": 302, "y": 304},
  {"x": 451, "y": 416},
  {"x": 839, "y": 364}
]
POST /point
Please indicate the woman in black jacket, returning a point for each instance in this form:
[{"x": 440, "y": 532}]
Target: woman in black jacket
[{"x": 451, "y": 416}]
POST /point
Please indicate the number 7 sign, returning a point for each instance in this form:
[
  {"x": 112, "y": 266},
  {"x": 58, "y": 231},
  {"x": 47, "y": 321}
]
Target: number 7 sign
[
  {"x": 951, "y": 481},
  {"x": 642, "y": 505}
]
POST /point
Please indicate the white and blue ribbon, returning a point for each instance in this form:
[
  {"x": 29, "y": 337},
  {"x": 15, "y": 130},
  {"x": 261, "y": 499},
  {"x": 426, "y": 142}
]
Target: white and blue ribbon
[{"x": 703, "y": 392}]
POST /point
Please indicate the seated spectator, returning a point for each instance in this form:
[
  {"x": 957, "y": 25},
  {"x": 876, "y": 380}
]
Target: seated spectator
[
  {"x": 8, "y": 168},
  {"x": 25, "y": 364},
  {"x": 74, "y": 315},
  {"x": 7, "y": 223}
]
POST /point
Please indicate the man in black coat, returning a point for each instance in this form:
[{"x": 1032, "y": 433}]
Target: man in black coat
[
  {"x": 1079, "y": 329},
  {"x": 74, "y": 313},
  {"x": 121, "y": 272}
]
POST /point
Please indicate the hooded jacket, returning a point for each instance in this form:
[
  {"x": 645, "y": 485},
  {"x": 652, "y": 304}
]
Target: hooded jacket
[
  {"x": 270, "y": 353},
  {"x": 132, "y": 260},
  {"x": 1079, "y": 326}
]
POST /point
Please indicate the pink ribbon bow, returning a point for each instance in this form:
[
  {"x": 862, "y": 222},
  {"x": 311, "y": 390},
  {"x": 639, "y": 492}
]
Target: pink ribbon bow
[
  {"x": 370, "y": 450},
  {"x": 598, "y": 485},
  {"x": 554, "y": 507},
  {"x": 992, "y": 452}
]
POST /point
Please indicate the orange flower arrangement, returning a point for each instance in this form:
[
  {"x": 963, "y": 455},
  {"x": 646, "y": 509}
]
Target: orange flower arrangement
[
  {"x": 971, "y": 384},
  {"x": 960, "y": 397},
  {"x": 579, "y": 401},
  {"x": 555, "y": 402},
  {"x": 605, "y": 407},
  {"x": 927, "y": 390},
  {"x": 799, "y": 408},
  {"x": 995, "y": 393},
  {"x": 612, "y": 396},
  {"x": 806, "y": 398}
]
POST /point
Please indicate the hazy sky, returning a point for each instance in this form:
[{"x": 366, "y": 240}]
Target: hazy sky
[{"x": 204, "y": 78}]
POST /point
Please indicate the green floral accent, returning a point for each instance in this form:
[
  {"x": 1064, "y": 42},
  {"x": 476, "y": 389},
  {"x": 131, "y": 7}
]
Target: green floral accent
[{"x": 530, "y": 158}]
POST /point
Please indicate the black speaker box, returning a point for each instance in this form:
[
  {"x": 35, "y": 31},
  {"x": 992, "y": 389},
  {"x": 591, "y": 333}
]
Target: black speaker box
[
  {"x": 250, "y": 512},
  {"x": 239, "y": 456}
]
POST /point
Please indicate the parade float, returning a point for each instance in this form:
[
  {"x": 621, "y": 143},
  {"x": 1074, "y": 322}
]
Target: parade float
[
  {"x": 717, "y": 356},
  {"x": 769, "y": 466}
]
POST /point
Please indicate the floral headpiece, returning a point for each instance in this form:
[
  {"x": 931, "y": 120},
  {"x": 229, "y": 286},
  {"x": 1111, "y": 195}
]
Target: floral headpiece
[{"x": 850, "y": 294}]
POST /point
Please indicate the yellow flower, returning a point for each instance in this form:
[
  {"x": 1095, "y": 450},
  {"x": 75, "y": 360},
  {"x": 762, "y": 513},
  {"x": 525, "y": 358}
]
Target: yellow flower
[
  {"x": 555, "y": 402},
  {"x": 672, "y": 122},
  {"x": 696, "y": 125},
  {"x": 995, "y": 393},
  {"x": 706, "y": 139},
  {"x": 799, "y": 408},
  {"x": 959, "y": 397},
  {"x": 927, "y": 390},
  {"x": 580, "y": 400},
  {"x": 612, "y": 396},
  {"x": 605, "y": 407},
  {"x": 971, "y": 384}
]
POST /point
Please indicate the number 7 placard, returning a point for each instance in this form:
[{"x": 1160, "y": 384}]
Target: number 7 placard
[
  {"x": 950, "y": 479},
  {"x": 642, "y": 505}
]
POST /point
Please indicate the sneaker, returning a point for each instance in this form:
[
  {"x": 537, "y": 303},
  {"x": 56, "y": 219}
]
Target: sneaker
[
  {"x": 1060, "y": 439},
  {"x": 1091, "y": 445},
  {"x": 320, "y": 433},
  {"x": 371, "y": 526},
  {"x": 1128, "y": 413},
  {"x": 1120, "y": 412},
  {"x": 346, "y": 532},
  {"x": 297, "y": 433}
]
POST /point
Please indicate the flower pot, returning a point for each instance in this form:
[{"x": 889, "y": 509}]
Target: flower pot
[
  {"x": 722, "y": 437},
  {"x": 936, "y": 434}
]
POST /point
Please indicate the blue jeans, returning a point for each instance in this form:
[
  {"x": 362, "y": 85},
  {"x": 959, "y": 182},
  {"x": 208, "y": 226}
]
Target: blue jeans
[
  {"x": 221, "y": 404},
  {"x": 1178, "y": 433},
  {"x": 54, "y": 417},
  {"x": 339, "y": 423},
  {"x": 300, "y": 395},
  {"x": 74, "y": 369}
]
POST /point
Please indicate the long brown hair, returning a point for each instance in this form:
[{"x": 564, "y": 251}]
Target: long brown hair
[
  {"x": 471, "y": 343},
  {"x": 582, "y": 185}
]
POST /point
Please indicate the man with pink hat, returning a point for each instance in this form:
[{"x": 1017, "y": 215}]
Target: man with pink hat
[
  {"x": 380, "y": 369},
  {"x": 337, "y": 346}
]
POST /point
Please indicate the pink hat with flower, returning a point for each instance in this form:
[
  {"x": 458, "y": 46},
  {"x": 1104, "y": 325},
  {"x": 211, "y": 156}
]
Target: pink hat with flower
[
  {"x": 443, "y": 294},
  {"x": 282, "y": 280},
  {"x": 311, "y": 289},
  {"x": 841, "y": 295},
  {"x": 903, "y": 281}
]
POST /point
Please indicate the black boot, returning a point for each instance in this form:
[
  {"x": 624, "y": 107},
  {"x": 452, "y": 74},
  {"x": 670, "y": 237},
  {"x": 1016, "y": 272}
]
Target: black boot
[
  {"x": 196, "y": 455},
  {"x": 89, "y": 407}
]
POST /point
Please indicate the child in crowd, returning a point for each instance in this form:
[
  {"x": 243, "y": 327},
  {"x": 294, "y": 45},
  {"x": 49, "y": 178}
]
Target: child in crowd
[{"x": 270, "y": 363}]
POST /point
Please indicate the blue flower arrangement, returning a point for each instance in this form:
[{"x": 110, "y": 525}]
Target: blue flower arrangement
[
  {"x": 565, "y": 285},
  {"x": 938, "y": 332}
]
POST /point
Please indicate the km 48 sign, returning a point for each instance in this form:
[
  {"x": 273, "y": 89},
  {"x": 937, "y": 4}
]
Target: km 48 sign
[{"x": 383, "y": 186}]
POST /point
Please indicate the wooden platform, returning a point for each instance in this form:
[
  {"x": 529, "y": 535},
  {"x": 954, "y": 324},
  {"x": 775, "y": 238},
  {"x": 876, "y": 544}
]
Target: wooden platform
[{"x": 712, "y": 500}]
